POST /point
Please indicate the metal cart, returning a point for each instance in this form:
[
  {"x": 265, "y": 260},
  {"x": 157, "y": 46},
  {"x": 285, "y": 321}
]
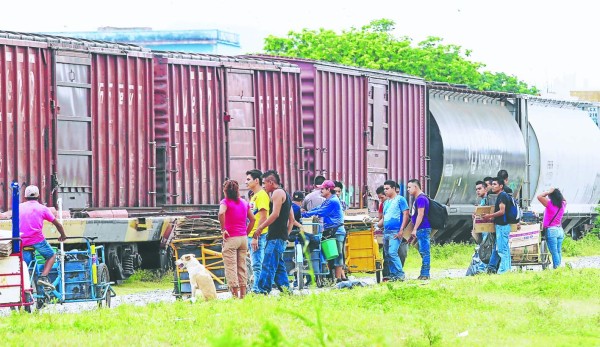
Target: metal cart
[{"x": 77, "y": 275}]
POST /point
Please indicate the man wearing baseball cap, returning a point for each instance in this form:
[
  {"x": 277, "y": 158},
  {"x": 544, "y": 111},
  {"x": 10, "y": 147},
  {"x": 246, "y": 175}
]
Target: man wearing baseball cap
[
  {"x": 333, "y": 223},
  {"x": 32, "y": 215}
]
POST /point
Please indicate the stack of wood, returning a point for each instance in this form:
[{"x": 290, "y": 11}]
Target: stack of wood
[
  {"x": 186, "y": 228},
  {"x": 5, "y": 244}
]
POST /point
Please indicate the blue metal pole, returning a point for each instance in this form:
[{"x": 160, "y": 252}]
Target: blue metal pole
[{"x": 15, "y": 216}]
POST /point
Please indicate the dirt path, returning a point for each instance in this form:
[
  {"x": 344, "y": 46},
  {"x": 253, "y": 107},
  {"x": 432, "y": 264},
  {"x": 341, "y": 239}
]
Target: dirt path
[{"x": 153, "y": 296}]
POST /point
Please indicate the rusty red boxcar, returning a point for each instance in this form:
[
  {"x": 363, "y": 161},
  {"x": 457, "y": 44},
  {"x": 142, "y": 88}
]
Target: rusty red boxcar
[
  {"x": 75, "y": 119},
  {"x": 361, "y": 127},
  {"x": 218, "y": 117}
]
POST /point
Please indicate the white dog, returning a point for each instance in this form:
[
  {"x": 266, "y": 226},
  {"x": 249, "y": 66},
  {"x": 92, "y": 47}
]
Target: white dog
[{"x": 201, "y": 282}]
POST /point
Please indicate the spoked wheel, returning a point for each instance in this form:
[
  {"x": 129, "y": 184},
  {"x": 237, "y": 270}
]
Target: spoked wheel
[
  {"x": 103, "y": 287},
  {"x": 107, "y": 300},
  {"x": 39, "y": 304},
  {"x": 320, "y": 281}
]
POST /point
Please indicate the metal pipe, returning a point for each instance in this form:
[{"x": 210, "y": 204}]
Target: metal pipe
[{"x": 15, "y": 217}]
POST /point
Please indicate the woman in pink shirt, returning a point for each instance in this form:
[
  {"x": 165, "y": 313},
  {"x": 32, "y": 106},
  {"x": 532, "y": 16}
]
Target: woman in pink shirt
[
  {"x": 236, "y": 219},
  {"x": 555, "y": 205}
]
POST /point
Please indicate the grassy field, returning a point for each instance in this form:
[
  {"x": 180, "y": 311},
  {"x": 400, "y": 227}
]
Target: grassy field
[{"x": 558, "y": 308}]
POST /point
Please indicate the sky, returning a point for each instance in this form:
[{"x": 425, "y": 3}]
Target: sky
[{"x": 551, "y": 44}]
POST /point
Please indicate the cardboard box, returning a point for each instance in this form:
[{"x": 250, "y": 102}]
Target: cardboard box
[
  {"x": 525, "y": 254},
  {"x": 481, "y": 225},
  {"x": 528, "y": 235}
]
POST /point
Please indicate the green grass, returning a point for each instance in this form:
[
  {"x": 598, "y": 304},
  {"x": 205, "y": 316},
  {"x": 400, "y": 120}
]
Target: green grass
[
  {"x": 143, "y": 281},
  {"x": 558, "y": 308},
  {"x": 587, "y": 246}
]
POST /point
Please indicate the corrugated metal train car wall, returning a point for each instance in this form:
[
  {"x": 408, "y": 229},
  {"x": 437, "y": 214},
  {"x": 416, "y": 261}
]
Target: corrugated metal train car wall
[
  {"x": 278, "y": 126},
  {"x": 339, "y": 131},
  {"x": 105, "y": 98},
  {"x": 408, "y": 129},
  {"x": 218, "y": 119},
  {"x": 190, "y": 153},
  {"x": 362, "y": 127},
  {"x": 25, "y": 118}
]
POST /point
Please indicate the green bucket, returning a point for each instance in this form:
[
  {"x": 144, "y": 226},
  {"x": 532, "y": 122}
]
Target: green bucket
[{"x": 329, "y": 248}]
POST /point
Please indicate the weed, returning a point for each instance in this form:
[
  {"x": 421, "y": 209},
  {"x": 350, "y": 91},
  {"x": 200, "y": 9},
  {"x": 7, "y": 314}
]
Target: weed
[
  {"x": 270, "y": 336},
  {"x": 432, "y": 335}
]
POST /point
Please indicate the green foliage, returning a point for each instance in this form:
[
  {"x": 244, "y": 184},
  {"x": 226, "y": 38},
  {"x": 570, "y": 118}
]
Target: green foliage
[
  {"x": 374, "y": 46},
  {"x": 150, "y": 276},
  {"x": 586, "y": 246}
]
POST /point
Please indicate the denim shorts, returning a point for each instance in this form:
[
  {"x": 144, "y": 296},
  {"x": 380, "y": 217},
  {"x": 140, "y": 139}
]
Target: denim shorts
[{"x": 43, "y": 248}]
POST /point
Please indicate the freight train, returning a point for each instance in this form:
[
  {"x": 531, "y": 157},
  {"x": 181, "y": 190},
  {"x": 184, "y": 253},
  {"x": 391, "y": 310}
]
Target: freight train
[{"x": 128, "y": 139}]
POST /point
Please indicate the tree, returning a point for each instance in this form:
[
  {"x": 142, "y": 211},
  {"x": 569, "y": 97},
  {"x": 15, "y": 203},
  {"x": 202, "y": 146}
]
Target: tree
[{"x": 374, "y": 46}]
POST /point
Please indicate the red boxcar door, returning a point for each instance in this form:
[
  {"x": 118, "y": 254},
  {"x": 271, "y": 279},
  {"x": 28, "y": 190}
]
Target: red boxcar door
[
  {"x": 377, "y": 140},
  {"x": 242, "y": 127},
  {"x": 73, "y": 129}
]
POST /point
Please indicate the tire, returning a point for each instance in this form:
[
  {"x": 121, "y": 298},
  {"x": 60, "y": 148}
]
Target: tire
[
  {"x": 107, "y": 300},
  {"x": 319, "y": 281},
  {"x": 378, "y": 276},
  {"x": 103, "y": 283},
  {"x": 103, "y": 274}
]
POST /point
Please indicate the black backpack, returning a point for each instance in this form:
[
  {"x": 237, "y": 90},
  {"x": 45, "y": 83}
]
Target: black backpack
[{"x": 438, "y": 214}]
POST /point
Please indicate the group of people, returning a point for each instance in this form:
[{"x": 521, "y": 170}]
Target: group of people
[
  {"x": 262, "y": 225},
  {"x": 500, "y": 260},
  {"x": 394, "y": 218}
]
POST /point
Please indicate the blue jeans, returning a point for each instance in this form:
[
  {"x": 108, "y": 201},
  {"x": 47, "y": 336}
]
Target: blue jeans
[
  {"x": 392, "y": 245},
  {"x": 424, "y": 237},
  {"x": 340, "y": 240},
  {"x": 43, "y": 248},
  {"x": 273, "y": 268},
  {"x": 257, "y": 258},
  {"x": 502, "y": 250},
  {"x": 555, "y": 237}
]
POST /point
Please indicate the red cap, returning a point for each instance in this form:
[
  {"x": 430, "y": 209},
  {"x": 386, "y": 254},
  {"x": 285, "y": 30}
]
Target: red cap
[{"x": 328, "y": 184}]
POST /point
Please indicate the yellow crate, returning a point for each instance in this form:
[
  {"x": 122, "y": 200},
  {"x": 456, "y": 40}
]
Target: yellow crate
[{"x": 362, "y": 251}]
